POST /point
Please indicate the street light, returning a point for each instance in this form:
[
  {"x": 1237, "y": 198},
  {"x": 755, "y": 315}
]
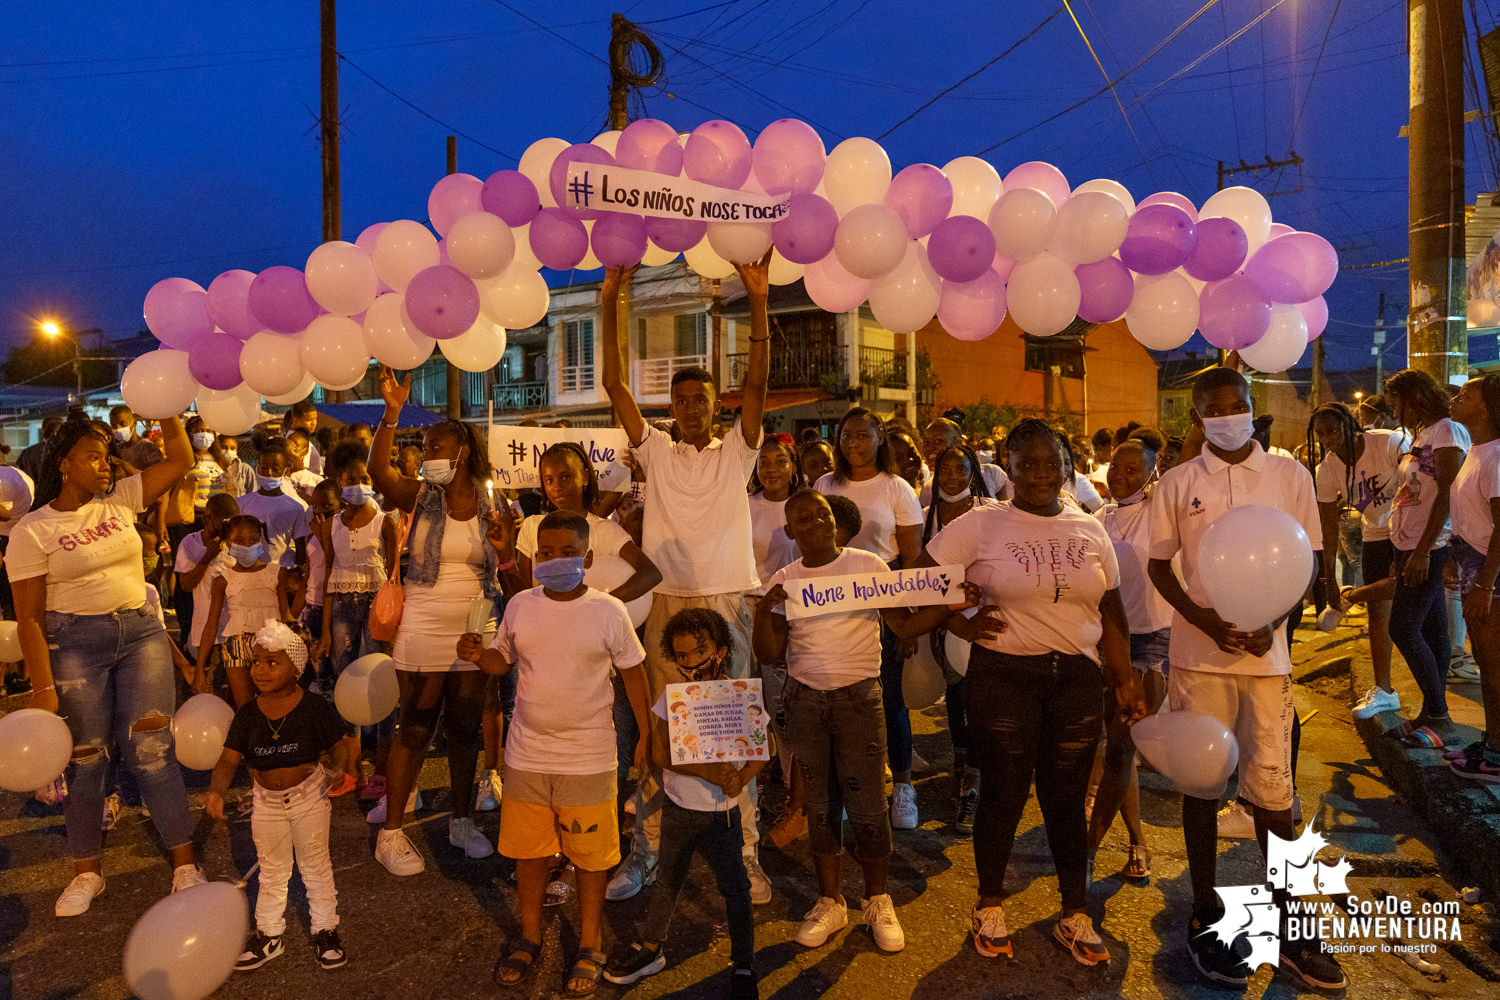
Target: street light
[{"x": 53, "y": 329}]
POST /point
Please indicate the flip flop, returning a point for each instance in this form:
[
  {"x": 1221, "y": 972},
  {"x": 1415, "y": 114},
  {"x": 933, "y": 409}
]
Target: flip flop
[
  {"x": 1422, "y": 738},
  {"x": 1139, "y": 865}
]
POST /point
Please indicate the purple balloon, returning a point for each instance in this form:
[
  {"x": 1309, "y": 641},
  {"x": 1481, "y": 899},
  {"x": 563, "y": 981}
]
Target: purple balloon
[
  {"x": 961, "y": 249},
  {"x": 229, "y": 304},
  {"x": 1316, "y": 314},
  {"x": 559, "y": 239},
  {"x": 1003, "y": 265},
  {"x": 789, "y": 156},
  {"x": 620, "y": 239},
  {"x": 1219, "y": 250},
  {"x": 717, "y": 153},
  {"x": 442, "y": 302},
  {"x": 367, "y": 238},
  {"x": 1171, "y": 198},
  {"x": 280, "y": 300},
  {"x": 1294, "y": 268},
  {"x": 1107, "y": 290},
  {"x": 650, "y": 144},
  {"x": 1158, "y": 240},
  {"x": 176, "y": 310},
  {"x": 806, "y": 234},
  {"x": 583, "y": 152},
  {"x": 510, "y": 195},
  {"x": 453, "y": 197},
  {"x": 214, "y": 360},
  {"x": 1278, "y": 230},
  {"x": 922, "y": 195},
  {"x": 677, "y": 235},
  {"x": 1233, "y": 313},
  {"x": 972, "y": 310}
]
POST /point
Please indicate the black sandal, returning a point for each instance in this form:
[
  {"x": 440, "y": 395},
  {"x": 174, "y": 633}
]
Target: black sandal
[
  {"x": 580, "y": 971},
  {"x": 521, "y": 946}
]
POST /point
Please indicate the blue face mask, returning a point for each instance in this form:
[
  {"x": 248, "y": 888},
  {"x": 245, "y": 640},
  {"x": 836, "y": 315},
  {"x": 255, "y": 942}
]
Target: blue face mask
[
  {"x": 248, "y": 555},
  {"x": 268, "y": 483},
  {"x": 559, "y": 575},
  {"x": 359, "y": 495}
]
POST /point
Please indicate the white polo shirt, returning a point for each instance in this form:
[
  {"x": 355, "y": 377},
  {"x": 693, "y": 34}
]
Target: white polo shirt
[{"x": 1186, "y": 502}]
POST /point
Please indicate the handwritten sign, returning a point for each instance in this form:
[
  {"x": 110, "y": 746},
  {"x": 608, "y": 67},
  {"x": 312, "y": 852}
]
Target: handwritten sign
[
  {"x": 643, "y": 192},
  {"x": 711, "y": 721},
  {"x": 907, "y": 588},
  {"x": 515, "y": 451}
]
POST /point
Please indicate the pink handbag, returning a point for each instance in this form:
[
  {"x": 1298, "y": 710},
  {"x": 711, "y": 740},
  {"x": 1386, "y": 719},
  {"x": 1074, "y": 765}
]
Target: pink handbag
[{"x": 390, "y": 599}]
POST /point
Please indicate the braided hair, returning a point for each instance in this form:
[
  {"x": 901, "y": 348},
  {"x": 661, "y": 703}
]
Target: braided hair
[
  {"x": 78, "y": 427},
  {"x": 977, "y": 486},
  {"x": 788, "y": 448},
  {"x": 572, "y": 449},
  {"x": 1351, "y": 433}
]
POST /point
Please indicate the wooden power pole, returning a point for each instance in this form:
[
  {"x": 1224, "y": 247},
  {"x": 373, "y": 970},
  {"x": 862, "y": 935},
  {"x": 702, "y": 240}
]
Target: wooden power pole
[
  {"x": 619, "y": 117},
  {"x": 455, "y": 377},
  {"x": 333, "y": 225}
]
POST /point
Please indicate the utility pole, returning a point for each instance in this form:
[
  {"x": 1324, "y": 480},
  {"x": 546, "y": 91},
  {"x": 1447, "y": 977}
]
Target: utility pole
[
  {"x": 619, "y": 117},
  {"x": 333, "y": 227},
  {"x": 1316, "y": 396},
  {"x": 1379, "y": 348},
  {"x": 1227, "y": 173},
  {"x": 455, "y": 378},
  {"x": 1436, "y": 338}
]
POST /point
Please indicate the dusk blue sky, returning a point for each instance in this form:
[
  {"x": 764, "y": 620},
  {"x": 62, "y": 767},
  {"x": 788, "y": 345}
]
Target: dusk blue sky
[{"x": 149, "y": 140}]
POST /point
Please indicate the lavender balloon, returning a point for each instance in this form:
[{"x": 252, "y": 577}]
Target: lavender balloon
[
  {"x": 789, "y": 156},
  {"x": 1219, "y": 250},
  {"x": 1042, "y": 176},
  {"x": 676, "y": 235},
  {"x": 832, "y": 288},
  {"x": 1233, "y": 313},
  {"x": 718, "y": 153},
  {"x": 922, "y": 195},
  {"x": 280, "y": 300},
  {"x": 1159, "y": 239},
  {"x": 619, "y": 240},
  {"x": 214, "y": 360},
  {"x": 229, "y": 304},
  {"x": 368, "y": 236},
  {"x": 972, "y": 310},
  {"x": 1294, "y": 268},
  {"x": 1107, "y": 289},
  {"x": 961, "y": 249},
  {"x": 583, "y": 152},
  {"x": 650, "y": 144},
  {"x": 1316, "y": 314},
  {"x": 806, "y": 234},
  {"x": 453, "y": 197},
  {"x": 1171, "y": 198},
  {"x": 442, "y": 302},
  {"x": 558, "y": 239},
  {"x": 176, "y": 310},
  {"x": 510, "y": 195}
]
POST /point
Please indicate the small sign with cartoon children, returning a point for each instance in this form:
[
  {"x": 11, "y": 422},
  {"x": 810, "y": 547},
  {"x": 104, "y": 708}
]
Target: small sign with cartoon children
[{"x": 719, "y": 720}]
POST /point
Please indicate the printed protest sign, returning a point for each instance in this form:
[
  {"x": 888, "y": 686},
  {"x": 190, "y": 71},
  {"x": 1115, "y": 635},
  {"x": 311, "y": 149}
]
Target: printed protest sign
[
  {"x": 643, "y": 192},
  {"x": 710, "y": 721},
  {"x": 514, "y": 452},
  {"x": 907, "y": 588}
]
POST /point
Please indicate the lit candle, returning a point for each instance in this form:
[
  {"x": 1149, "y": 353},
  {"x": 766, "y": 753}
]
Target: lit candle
[{"x": 489, "y": 486}]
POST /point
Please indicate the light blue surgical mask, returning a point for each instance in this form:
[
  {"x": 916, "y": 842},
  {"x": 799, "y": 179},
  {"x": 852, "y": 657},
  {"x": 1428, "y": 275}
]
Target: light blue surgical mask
[
  {"x": 359, "y": 495},
  {"x": 248, "y": 555},
  {"x": 438, "y": 471},
  {"x": 268, "y": 482},
  {"x": 202, "y": 440},
  {"x": 559, "y": 575}
]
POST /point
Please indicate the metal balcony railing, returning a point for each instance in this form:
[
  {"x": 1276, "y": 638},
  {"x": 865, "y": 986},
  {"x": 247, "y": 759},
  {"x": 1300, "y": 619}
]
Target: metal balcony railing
[
  {"x": 519, "y": 395},
  {"x": 809, "y": 368},
  {"x": 653, "y": 376},
  {"x": 883, "y": 367},
  {"x": 575, "y": 378}
]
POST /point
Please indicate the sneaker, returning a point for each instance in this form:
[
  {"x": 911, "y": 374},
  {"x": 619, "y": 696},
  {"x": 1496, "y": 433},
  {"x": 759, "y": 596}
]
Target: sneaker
[
  {"x": 1463, "y": 671},
  {"x": 329, "y": 949},
  {"x": 111, "y": 812},
  {"x": 991, "y": 937},
  {"x": 187, "y": 876},
  {"x": 760, "y": 885},
  {"x": 919, "y": 764},
  {"x": 880, "y": 914},
  {"x": 968, "y": 808},
  {"x": 744, "y": 984},
  {"x": 1214, "y": 957},
  {"x": 634, "y": 874},
  {"x": 1482, "y": 764},
  {"x": 378, "y": 814},
  {"x": 488, "y": 796},
  {"x": 791, "y": 827},
  {"x": 394, "y": 850},
  {"x": 827, "y": 917},
  {"x": 374, "y": 788},
  {"x": 903, "y": 807},
  {"x": 1077, "y": 934},
  {"x": 79, "y": 894},
  {"x": 259, "y": 950},
  {"x": 1375, "y": 701},
  {"x": 637, "y": 963},
  {"x": 344, "y": 787},
  {"x": 17, "y": 684},
  {"x": 463, "y": 833},
  {"x": 1456, "y": 753},
  {"x": 1236, "y": 822},
  {"x": 1307, "y": 960}
]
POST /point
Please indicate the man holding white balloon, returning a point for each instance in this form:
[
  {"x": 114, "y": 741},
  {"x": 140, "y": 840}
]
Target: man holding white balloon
[{"x": 1229, "y": 656}]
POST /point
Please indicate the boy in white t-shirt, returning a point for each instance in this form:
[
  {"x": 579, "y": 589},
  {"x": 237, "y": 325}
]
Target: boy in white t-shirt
[
  {"x": 283, "y": 514},
  {"x": 562, "y": 638}
]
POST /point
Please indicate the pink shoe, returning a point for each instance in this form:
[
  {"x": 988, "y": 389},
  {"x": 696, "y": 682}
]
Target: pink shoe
[{"x": 373, "y": 789}]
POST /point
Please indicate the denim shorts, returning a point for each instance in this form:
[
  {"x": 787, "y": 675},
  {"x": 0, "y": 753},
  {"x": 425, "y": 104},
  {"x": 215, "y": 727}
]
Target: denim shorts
[
  {"x": 1148, "y": 650},
  {"x": 1469, "y": 561}
]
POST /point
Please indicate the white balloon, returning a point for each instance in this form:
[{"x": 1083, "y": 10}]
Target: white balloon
[
  {"x": 957, "y": 652},
  {"x": 158, "y": 384},
  {"x": 333, "y": 350},
  {"x": 871, "y": 241},
  {"x": 1254, "y": 562},
  {"x": 35, "y": 746},
  {"x": 1163, "y": 312},
  {"x": 607, "y": 141},
  {"x": 341, "y": 278},
  {"x": 1283, "y": 343},
  {"x": 857, "y": 172},
  {"x": 271, "y": 363},
  {"x": 1194, "y": 750},
  {"x": 341, "y": 386},
  {"x": 590, "y": 262},
  {"x": 389, "y": 339},
  {"x": 783, "y": 271},
  {"x": 1043, "y": 295},
  {"x": 1108, "y": 187},
  {"x": 905, "y": 300},
  {"x": 609, "y": 572},
  {"x": 367, "y": 690},
  {"x": 536, "y": 164},
  {"x": 706, "y": 263},
  {"x": 297, "y": 395},
  {"x": 480, "y": 244},
  {"x": 524, "y": 256},
  {"x": 402, "y": 250},
  {"x": 477, "y": 349},
  {"x": 1246, "y": 206},
  {"x": 976, "y": 186},
  {"x": 1090, "y": 226},
  {"x": 230, "y": 411},
  {"x": 740, "y": 242},
  {"x": 10, "y": 643},
  {"x": 185, "y": 946},
  {"x": 1023, "y": 221},
  {"x": 199, "y": 729},
  {"x": 517, "y": 298},
  {"x": 922, "y": 680},
  {"x": 656, "y": 256}
]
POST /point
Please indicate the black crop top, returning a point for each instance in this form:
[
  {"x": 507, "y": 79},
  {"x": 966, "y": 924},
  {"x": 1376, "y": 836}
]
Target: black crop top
[{"x": 303, "y": 735}]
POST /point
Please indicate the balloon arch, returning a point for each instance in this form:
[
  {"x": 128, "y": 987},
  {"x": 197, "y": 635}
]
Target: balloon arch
[{"x": 959, "y": 242}]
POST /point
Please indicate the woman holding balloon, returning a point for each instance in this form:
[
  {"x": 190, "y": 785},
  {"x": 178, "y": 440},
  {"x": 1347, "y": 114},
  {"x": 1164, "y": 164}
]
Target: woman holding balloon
[{"x": 94, "y": 653}]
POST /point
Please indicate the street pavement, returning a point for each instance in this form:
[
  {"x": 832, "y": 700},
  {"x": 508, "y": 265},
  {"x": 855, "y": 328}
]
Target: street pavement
[{"x": 438, "y": 934}]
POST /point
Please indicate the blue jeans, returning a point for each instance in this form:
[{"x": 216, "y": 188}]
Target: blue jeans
[
  {"x": 897, "y": 717},
  {"x": 838, "y": 740},
  {"x": 1419, "y": 629},
  {"x": 717, "y": 837},
  {"x": 113, "y": 671},
  {"x": 349, "y": 639}
]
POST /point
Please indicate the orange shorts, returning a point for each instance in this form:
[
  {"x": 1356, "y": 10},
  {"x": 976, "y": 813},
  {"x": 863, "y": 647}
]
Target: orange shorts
[{"x": 573, "y": 814}]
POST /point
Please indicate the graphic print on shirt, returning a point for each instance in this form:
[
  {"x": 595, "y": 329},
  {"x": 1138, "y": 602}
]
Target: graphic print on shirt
[
  {"x": 1369, "y": 490},
  {"x": 1049, "y": 561},
  {"x": 1410, "y": 494},
  {"x": 88, "y": 536},
  {"x": 1425, "y": 461}
]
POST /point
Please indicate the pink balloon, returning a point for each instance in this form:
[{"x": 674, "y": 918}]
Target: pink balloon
[
  {"x": 510, "y": 195},
  {"x": 583, "y": 152},
  {"x": 280, "y": 300},
  {"x": 650, "y": 144},
  {"x": 214, "y": 360},
  {"x": 619, "y": 239},
  {"x": 1219, "y": 250},
  {"x": 676, "y": 235},
  {"x": 972, "y": 310},
  {"x": 176, "y": 310},
  {"x": 1042, "y": 176},
  {"x": 832, "y": 288},
  {"x": 558, "y": 239},
  {"x": 923, "y": 196},
  {"x": 1171, "y": 198},
  {"x": 1107, "y": 289},
  {"x": 1002, "y": 266},
  {"x": 961, "y": 249},
  {"x": 442, "y": 302},
  {"x": 367, "y": 238},
  {"x": 1316, "y": 314},
  {"x": 806, "y": 234},
  {"x": 229, "y": 304},
  {"x": 1295, "y": 268},
  {"x": 1279, "y": 229},
  {"x": 718, "y": 153},
  {"x": 453, "y": 197},
  {"x": 1234, "y": 313},
  {"x": 789, "y": 156}
]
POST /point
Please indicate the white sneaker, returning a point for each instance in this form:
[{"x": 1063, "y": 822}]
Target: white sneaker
[
  {"x": 1236, "y": 822},
  {"x": 827, "y": 917},
  {"x": 463, "y": 833},
  {"x": 79, "y": 894},
  {"x": 903, "y": 807},
  {"x": 488, "y": 796},
  {"x": 636, "y": 872},
  {"x": 379, "y": 813},
  {"x": 395, "y": 851},
  {"x": 187, "y": 876},
  {"x": 880, "y": 914},
  {"x": 760, "y": 885},
  {"x": 1375, "y": 701}
]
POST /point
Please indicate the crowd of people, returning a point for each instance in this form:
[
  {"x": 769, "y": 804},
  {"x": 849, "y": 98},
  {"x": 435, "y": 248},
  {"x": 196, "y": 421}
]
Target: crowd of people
[{"x": 506, "y": 617}]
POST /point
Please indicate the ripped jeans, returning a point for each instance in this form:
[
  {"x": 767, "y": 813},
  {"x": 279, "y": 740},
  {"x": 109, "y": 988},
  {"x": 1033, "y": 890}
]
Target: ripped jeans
[
  {"x": 113, "y": 671},
  {"x": 349, "y": 639}
]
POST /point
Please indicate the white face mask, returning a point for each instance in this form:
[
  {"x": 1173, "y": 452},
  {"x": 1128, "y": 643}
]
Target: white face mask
[
  {"x": 202, "y": 440},
  {"x": 439, "y": 471},
  {"x": 268, "y": 482},
  {"x": 955, "y": 497},
  {"x": 122, "y": 434},
  {"x": 1229, "y": 433}
]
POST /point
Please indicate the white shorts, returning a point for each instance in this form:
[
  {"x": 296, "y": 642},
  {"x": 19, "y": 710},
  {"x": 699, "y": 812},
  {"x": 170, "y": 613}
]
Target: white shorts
[{"x": 1258, "y": 710}]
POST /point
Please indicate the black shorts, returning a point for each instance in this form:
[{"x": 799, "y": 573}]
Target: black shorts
[{"x": 1375, "y": 560}]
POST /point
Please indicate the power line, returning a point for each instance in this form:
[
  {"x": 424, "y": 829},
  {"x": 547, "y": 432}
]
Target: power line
[
  {"x": 700, "y": 10},
  {"x": 550, "y": 31},
  {"x": 428, "y": 115},
  {"x": 1297, "y": 121},
  {"x": 1113, "y": 93},
  {"x": 159, "y": 263}
]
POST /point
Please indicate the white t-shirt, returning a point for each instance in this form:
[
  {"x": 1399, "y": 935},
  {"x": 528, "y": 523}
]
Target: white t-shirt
[
  {"x": 16, "y": 489},
  {"x": 1083, "y": 491},
  {"x": 1375, "y": 477},
  {"x": 563, "y": 652},
  {"x": 302, "y": 479},
  {"x": 285, "y": 518},
  {"x": 1046, "y": 574},
  {"x": 1418, "y": 484},
  {"x": 1477, "y": 483},
  {"x": 1185, "y": 503},
  {"x": 994, "y": 478},
  {"x": 189, "y": 551},
  {"x": 686, "y": 790},
  {"x": 773, "y": 549},
  {"x": 697, "y": 525},
  {"x": 606, "y": 538},
  {"x": 316, "y": 562},
  {"x": 1129, "y": 528},
  {"x": 832, "y": 651},
  {"x": 91, "y": 557},
  {"x": 885, "y": 503}
]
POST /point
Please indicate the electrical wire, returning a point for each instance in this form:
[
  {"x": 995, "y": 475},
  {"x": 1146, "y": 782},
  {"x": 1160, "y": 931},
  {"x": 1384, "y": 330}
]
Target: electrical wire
[
  {"x": 1297, "y": 121},
  {"x": 700, "y": 10},
  {"x": 1113, "y": 92},
  {"x": 556, "y": 34},
  {"x": 427, "y": 114}
]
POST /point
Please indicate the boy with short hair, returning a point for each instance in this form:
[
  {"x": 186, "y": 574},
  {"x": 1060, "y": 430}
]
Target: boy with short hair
[
  {"x": 201, "y": 556},
  {"x": 283, "y": 514}
]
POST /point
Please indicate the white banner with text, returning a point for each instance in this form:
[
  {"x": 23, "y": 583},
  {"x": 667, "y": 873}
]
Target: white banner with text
[
  {"x": 643, "y": 192},
  {"x": 906, "y": 588},
  {"x": 515, "y": 452}
]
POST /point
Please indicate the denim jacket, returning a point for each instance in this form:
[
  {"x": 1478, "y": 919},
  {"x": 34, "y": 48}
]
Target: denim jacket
[{"x": 425, "y": 543}]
